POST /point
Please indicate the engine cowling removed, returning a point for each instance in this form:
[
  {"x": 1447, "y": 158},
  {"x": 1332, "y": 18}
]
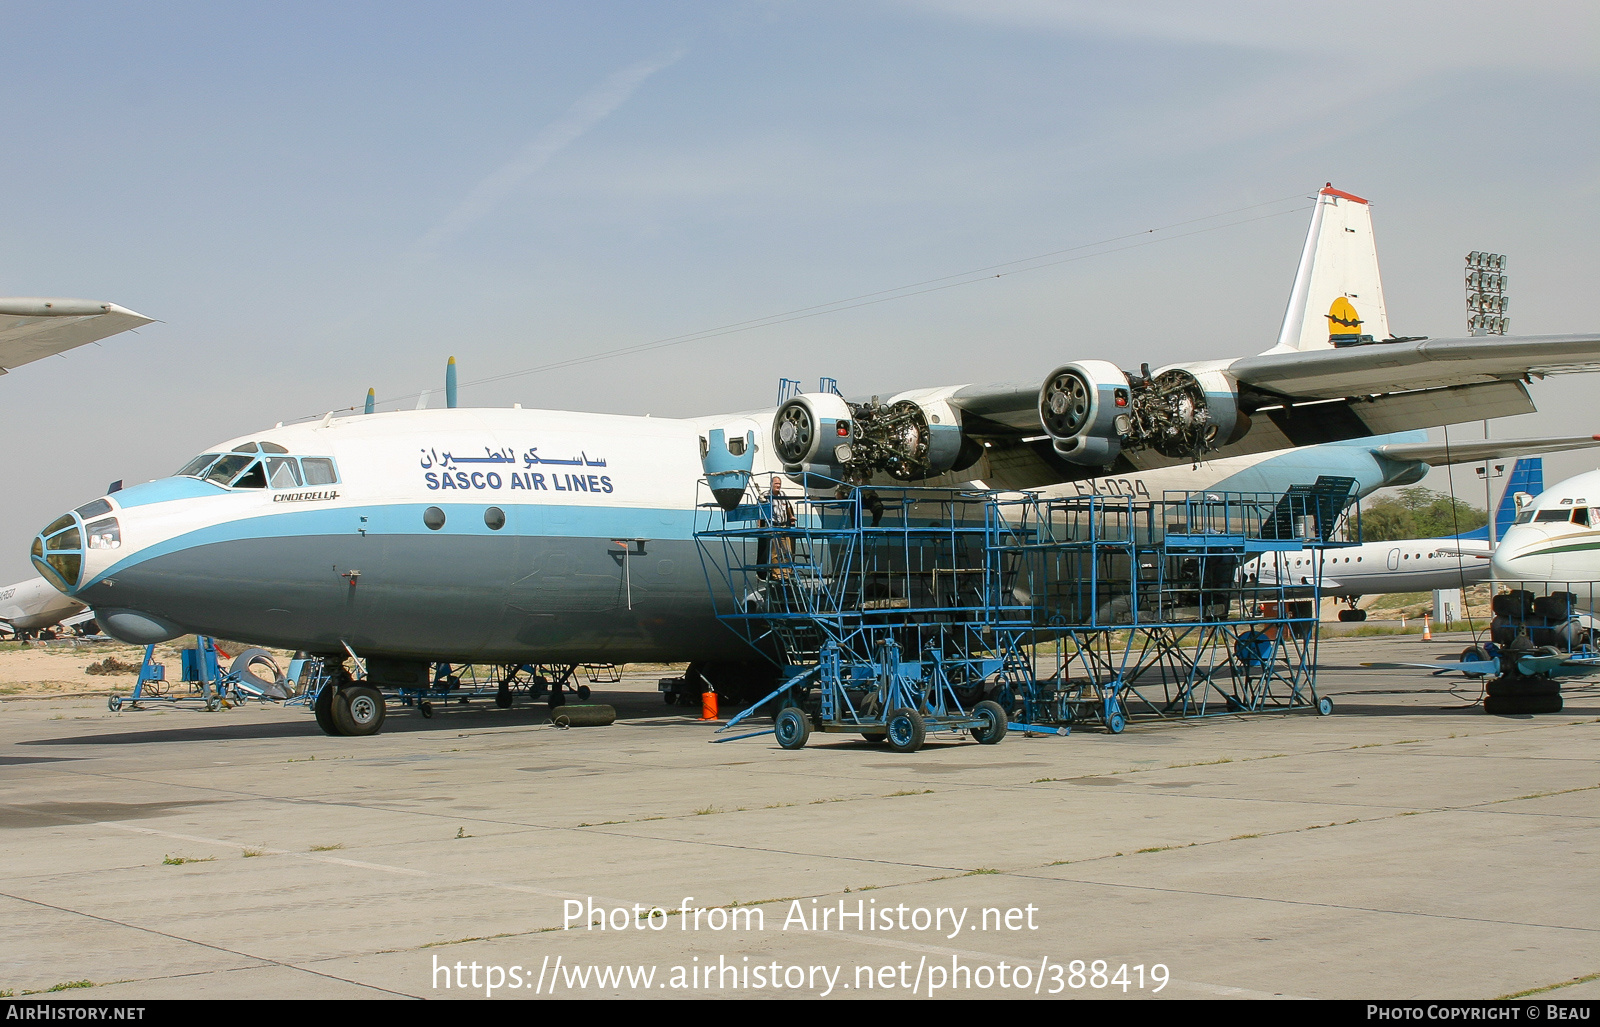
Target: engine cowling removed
[
  {"x": 1093, "y": 411},
  {"x": 820, "y": 434}
]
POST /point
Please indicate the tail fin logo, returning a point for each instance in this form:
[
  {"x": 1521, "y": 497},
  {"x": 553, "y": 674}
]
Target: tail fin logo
[{"x": 1344, "y": 324}]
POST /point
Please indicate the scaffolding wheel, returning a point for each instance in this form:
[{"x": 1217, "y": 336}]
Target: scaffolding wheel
[
  {"x": 425, "y": 708},
  {"x": 1115, "y": 723},
  {"x": 1324, "y": 706},
  {"x": 114, "y": 703},
  {"x": 792, "y": 727},
  {"x": 994, "y": 720},
  {"x": 904, "y": 730},
  {"x": 502, "y": 698}
]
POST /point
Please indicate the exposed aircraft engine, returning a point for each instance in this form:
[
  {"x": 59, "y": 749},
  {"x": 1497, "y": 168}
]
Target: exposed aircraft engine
[
  {"x": 822, "y": 434},
  {"x": 1093, "y": 410}
]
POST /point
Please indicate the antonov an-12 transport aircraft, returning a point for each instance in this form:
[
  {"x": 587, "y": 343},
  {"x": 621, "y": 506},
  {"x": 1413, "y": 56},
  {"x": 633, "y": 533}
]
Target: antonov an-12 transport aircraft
[{"x": 542, "y": 536}]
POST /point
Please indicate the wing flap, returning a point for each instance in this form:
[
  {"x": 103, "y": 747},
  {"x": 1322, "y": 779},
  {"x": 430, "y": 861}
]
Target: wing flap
[{"x": 1484, "y": 449}]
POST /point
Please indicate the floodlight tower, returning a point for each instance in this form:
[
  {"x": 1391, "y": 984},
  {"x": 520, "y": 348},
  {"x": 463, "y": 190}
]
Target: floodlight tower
[{"x": 1487, "y": 302}]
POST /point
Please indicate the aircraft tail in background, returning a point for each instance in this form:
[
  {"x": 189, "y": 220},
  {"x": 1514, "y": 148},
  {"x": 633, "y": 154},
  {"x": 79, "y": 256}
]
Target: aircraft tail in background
[{"x": 1527, "y": 475}]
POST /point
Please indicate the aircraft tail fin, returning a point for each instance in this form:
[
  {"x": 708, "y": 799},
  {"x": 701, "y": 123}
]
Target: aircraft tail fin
[
  {"x": 1527, "y": 475},
  {"x": 1337, "y": 299}
]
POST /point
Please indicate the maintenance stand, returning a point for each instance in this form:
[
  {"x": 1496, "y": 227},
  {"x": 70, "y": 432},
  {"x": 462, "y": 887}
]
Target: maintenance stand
[{"x": 896, "y": 611}]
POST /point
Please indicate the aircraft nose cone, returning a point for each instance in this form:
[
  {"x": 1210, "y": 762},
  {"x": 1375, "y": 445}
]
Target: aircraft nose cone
[{"x": 1513, "y": 561}]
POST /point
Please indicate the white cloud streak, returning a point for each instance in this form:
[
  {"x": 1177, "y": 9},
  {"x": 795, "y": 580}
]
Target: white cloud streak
[{"x": 589, "y": 110}]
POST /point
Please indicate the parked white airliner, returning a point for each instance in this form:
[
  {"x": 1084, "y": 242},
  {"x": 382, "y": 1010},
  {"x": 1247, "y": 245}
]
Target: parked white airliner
[
  {"x": 512, "y": 536},
  {"x": 1411, "y": 565}
]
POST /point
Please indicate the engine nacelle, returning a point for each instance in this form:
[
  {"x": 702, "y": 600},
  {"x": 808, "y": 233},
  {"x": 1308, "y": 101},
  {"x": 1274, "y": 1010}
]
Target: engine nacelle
[
  {"x": 819, "y": 434},
  {"x": 811, "y": 435},
  {"x": 1079, "y": 405},
  {"x": 1093, "y": 411}
]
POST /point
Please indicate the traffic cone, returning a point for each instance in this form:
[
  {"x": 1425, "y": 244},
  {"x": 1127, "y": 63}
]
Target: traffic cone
[
  {"x": 1427, "y": 628},
  {"x": 708, "y": 704}
]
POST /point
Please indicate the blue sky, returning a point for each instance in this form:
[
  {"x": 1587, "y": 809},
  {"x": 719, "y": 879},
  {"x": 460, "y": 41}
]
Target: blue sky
[{"x": 315, "y": 198}]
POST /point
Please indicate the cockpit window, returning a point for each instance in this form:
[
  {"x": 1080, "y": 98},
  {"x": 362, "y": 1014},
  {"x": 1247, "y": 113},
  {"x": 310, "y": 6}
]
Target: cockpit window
[
  {"x": 248, "y": 447},
  {"x": 223, "y": 470},
  {"x": 1580, "y": 515},
  {"x": 319, "y": 470},
  {"x": 1552, "y": 515},
  {"x": 272, "y": 447},
  {"x": 254, "y": 478},
  {"x": 1524, "y": 517},
  {"x": 196, "y": 467},
  {"x": 94, "y": 509},
  {"x": 283, "y": 472}
]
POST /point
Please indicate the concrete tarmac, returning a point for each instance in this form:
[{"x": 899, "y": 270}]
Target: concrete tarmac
[{"x": 1408, "y": 846}]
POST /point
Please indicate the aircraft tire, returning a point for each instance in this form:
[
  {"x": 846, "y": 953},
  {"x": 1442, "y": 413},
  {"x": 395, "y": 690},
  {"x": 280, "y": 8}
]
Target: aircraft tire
[
  {"x": 323, "y": 708},
  {"x": 1512, "y": 705},
  {"x": 583, "y": 693},
  {"x": 358, "y": 710},
  {"x": 1526, "y": 688},
  {"x": 905, "y": 730},
  {"x": 994, "y": 717},
  {"x": 878, "y": 738}
]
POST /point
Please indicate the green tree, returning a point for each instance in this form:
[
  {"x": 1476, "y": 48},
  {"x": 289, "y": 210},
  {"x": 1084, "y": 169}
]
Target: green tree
[{"x": 1418, "y": 513}]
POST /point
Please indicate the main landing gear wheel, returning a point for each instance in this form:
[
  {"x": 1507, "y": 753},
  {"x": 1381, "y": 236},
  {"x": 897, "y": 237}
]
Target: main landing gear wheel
[
  {"x": 792, "y": 727},
  {"x": 322, "y": 706},
  {"x": 875, "y": 739},
  {"x": 584, "y": 693},
  {"x": 358, "y": 710},
  {"x": 502, "y": 698},
  {"x": 994, "y": 717},
  {"x": 905, "y": 730}
]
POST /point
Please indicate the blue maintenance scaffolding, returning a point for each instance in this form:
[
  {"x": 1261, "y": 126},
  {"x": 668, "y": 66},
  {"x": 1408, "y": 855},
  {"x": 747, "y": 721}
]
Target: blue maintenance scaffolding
[{"x": 896, "y": 611}]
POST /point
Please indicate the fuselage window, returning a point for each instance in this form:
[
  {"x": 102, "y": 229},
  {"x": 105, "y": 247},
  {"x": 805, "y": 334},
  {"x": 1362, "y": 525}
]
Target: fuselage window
[
  {"x": 495, "y": 518},
  {"x": 433, "y": 517},
  {"x": 283, "y": 472},
  {"x": 319, "y": 470}
]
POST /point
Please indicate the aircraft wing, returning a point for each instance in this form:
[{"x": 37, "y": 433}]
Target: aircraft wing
[
  {"x": 1379, "y": 368},
  {"x": 33, "y": 328},
  {"x": 1483, "y": 449}
]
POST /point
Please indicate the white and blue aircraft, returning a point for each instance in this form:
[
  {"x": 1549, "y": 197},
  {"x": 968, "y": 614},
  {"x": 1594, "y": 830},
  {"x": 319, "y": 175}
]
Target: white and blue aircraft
[
  {"x": 522, "y": 536},
  {"x": 1418, "y": 564}
]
